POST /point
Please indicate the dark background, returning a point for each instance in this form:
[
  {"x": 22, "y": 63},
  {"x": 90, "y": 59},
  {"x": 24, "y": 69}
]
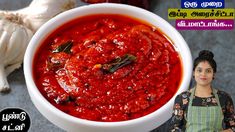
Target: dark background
[{"x": 222, "y": 43}]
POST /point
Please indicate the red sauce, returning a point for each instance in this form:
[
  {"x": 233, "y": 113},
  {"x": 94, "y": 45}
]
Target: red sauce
[{"x": 107, "y": 68}]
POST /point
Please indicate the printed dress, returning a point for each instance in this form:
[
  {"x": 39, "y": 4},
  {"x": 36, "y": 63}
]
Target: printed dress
[{"x": 180, "y": 110}]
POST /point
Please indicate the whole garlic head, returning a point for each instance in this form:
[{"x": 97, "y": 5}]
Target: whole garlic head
[{"x": 17, "y": 28}]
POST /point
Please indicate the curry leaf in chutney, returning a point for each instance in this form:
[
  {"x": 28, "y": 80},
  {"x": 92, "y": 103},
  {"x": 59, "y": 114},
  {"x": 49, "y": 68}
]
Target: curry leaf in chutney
[
  {"x": 65, "y": 47},
  {"x": 118, "y": 63}
]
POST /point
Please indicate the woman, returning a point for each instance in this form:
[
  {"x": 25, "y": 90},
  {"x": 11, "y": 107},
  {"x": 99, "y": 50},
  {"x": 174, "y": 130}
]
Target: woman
[{"x": 203, "y": 108}]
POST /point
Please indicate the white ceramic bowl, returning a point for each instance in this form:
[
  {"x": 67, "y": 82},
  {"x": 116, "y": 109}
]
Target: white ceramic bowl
[{"x": 70, "y": 123}]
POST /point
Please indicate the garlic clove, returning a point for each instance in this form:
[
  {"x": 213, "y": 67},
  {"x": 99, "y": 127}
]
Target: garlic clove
[
  {"x": 4, "y": 86},
  {"x": 9, "y": 69},
  {"x": 3, "y": 44},
  {"x": 17, "y": 44}
]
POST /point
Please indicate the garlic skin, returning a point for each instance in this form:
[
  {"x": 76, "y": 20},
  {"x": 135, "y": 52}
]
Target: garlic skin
[
  {"x": 17, "y": 28},
  {"x": 40, "y": 11}
]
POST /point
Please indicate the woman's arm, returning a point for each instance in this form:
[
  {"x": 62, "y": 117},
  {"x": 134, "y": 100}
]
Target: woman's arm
[
  {"x": 228, "y": 110},
  {"x": 177, "y": 120}
]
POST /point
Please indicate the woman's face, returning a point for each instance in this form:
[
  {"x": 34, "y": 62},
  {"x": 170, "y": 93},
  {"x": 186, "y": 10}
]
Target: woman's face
[{"x": 203, "y": 73}]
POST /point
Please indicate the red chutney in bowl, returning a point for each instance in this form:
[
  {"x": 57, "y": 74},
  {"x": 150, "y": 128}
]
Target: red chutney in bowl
[{"x": 107, "y": 68}]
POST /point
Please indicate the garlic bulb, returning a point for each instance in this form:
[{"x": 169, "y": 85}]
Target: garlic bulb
[{"x": 17, "y": 28}]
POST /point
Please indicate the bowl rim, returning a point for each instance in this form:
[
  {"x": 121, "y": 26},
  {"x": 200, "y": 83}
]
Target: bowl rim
[{"x": 39, "y": 37}]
